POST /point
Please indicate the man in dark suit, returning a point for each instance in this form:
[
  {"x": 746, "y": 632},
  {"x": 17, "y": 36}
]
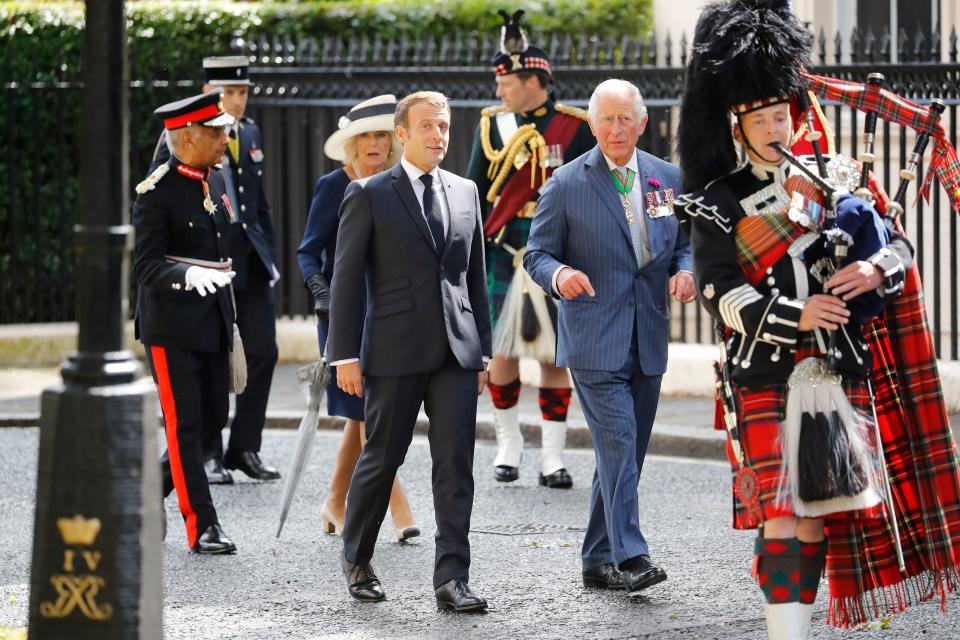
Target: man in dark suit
[
  {"x": 605, "y": 241},
  {"x": 413, "y": 236},
  {"x": 181, "y": 217},
  {"x": 253, "y": 251}
]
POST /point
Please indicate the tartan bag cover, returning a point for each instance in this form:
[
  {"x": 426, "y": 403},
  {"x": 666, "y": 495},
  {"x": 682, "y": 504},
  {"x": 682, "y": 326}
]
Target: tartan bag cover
[
  {"x": 922, "y": 464},
  {"x": 921, "y": 455},
  {"x": 893, "y": 108}
]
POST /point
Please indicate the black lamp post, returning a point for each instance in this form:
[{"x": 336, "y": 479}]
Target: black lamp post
[{"x": 96, "y": 569}]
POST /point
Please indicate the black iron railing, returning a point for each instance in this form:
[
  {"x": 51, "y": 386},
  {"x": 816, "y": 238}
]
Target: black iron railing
[{"x": 303, "y": 88}]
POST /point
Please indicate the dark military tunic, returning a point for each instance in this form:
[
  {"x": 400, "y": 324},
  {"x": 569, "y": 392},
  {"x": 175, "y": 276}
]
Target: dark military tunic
[{"x": 500, "y": 265}]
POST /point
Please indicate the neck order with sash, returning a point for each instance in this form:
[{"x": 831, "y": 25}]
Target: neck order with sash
[{"x": 522, "y": 186}]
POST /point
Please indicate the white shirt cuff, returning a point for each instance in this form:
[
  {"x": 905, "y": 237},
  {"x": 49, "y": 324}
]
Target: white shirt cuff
[
  {"x": 347, "y": 361},
  {"x": 553, "y": 280}
]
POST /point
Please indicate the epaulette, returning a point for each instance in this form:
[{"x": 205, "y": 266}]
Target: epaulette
[
  {"x": 694, "y": 206},
  {"x": 247, "y": 120},
  {"x": 151, "y": 181},
  {"x": 492, "y": 110},
  {"x": 576, "y": 112}
]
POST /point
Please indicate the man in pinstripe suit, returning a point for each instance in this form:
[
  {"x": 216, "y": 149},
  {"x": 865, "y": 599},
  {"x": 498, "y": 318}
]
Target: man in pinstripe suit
[{"x": 605, "y": 242}]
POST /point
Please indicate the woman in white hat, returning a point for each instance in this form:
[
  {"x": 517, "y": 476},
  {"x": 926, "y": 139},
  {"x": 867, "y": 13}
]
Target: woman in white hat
[{"x": 366, "y": 145}]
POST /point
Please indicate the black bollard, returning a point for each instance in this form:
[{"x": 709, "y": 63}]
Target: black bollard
[{"x": 96, "y": 571}]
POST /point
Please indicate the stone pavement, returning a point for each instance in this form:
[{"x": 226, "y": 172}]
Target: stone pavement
[{"x": 525, "y": 541}]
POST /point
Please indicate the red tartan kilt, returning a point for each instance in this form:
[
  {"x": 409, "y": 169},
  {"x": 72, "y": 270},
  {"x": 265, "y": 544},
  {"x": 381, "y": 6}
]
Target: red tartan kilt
[{"x": 760, "y": 411}]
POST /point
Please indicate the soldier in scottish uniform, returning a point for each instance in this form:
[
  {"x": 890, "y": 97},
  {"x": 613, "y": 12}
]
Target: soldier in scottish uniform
[
  {"x": 253, "y": 250},
  {"x": 515, "y": 149},
  {"x": 806, "y": 304},
  {"x": 185, "y": 315}
]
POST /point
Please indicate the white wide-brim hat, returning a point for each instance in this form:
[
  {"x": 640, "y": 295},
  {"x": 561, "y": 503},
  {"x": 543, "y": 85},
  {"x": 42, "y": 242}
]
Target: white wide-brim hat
[{"x": 375, "y": 114}]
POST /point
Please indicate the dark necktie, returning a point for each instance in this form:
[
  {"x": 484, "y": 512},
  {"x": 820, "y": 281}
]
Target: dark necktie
[
  {"x": 234, "y": 145},
  {"x": 431, "y": 210}
]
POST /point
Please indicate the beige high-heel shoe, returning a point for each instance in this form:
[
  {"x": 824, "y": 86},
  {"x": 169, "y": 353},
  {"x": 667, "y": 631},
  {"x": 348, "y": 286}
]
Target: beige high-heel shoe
[
  {"x": 329, "y": 523},
  {"x": 405, "y": 533}
]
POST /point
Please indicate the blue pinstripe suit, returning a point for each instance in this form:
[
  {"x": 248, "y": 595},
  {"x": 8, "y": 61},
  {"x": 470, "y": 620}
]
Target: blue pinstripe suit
[{"x": 615, "y": 343}]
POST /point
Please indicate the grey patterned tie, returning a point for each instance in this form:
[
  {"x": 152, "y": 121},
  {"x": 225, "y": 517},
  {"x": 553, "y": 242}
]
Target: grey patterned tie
[{"x": 638, "y": 228}]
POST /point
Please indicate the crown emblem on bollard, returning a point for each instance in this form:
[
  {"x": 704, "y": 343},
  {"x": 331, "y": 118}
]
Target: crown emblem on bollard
[{"x": 78, "y": 530}]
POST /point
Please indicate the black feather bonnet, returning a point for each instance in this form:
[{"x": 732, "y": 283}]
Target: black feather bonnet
[{"x": 743, "y": 51}]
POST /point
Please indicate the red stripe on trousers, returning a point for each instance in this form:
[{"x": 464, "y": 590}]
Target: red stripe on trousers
[{"x": 169, "y": 407}]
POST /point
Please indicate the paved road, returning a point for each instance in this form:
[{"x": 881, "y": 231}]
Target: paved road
[{"x": 292, "y": 589}]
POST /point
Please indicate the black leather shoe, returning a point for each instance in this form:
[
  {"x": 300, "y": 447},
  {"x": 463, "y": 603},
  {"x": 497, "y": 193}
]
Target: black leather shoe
[
  {"x": 216, "y": 472},
  {"x": 455, "y": 595},
  {"x": 606, "y": 576},
  {"x": 213, "y": 540},
  {"x": 362, "y": 582},
  {"x": 640, "y": 572},
  {"x": 250, "y": 463},
  {"x": 559, "y": 479},
  {"x": 503, "y": 473}
]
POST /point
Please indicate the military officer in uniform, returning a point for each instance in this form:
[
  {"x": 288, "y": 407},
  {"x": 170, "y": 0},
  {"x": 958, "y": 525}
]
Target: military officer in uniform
[
  {"x": 184, "y": 312},
  {"x": 515, "y": 149},
  {"x": 253, "y": 250}
]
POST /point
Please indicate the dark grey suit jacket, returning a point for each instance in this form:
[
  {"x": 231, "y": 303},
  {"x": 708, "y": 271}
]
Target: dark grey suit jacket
[{"x": 420, "y": 299}]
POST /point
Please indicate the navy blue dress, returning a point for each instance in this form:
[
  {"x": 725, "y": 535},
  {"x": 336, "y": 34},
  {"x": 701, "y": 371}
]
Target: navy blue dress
[{"x": 315, "y": 255}]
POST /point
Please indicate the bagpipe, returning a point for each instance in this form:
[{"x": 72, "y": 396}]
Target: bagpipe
[{"x": 834, "y": 455}]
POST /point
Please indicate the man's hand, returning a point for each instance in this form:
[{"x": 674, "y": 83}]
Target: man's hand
[
  {"x": 349, "y": 378},
  {"x": 854, "y": 279},
  {"x": 482, "y": 377},
  {"x": 572, "y": 283},
  {"x": 682, "y": 287},
  {"x": 206, "y": 280},
  {"x": 826, "y": 312}
]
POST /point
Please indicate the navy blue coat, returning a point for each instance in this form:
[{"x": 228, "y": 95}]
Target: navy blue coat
[{"x": 319, "y": 245}]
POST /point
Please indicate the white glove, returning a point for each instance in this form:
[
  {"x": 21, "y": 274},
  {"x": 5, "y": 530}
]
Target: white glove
[{"x": 207, "y": 280}]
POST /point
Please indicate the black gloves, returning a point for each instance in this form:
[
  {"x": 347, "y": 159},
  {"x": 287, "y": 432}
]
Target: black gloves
[{"x": 321, "y": 295}]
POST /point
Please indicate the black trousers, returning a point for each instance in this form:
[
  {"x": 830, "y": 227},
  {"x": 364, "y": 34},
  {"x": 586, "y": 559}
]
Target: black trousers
[
  {"x": 257, "y": 321},
  {"x": 449, "y": 396},
  {"x": 193, "y": 388}
]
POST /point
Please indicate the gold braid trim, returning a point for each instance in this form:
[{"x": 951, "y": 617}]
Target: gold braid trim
[
  {"x": 576, "y": 112},
  {"x": 486, "y": 115},
  {"x": 525, "y": 135},
  {"x": 500, "y": 160}
]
